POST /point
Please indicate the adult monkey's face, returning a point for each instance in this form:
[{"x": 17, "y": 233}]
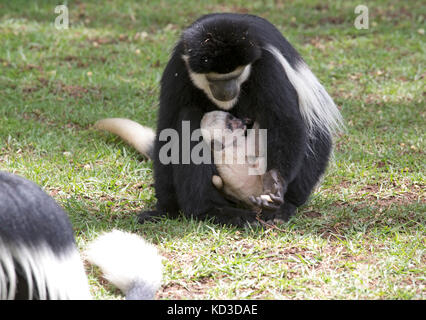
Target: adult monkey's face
[
  {"x": 222, "y": 89},
  {"x": 226, "y": 87}
]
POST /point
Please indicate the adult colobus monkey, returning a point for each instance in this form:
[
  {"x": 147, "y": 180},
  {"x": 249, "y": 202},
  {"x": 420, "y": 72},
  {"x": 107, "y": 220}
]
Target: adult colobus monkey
[
  {"x": 241, "y": 64},
  {"x": 39, "y": 258}
]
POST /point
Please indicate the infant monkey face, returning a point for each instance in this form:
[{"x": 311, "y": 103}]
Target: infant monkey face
[
  {"x": 221, "y": 121},
  {"x": 232, "y": 123},
  {"x": 223, "y": 128}
]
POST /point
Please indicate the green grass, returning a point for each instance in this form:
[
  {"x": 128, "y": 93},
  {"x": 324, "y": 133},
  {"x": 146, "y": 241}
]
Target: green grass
[{"x": 361, "y": 236}]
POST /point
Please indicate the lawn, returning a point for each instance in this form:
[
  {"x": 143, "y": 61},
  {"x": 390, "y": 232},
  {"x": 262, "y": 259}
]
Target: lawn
[{"x": 361, "y": 236}]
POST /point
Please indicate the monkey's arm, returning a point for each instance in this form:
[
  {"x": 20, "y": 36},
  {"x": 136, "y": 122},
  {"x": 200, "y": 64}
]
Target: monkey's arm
[{"x": 286, "y": 131}]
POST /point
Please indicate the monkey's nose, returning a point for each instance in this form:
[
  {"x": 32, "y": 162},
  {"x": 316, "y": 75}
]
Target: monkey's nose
[
  {"x": 237, "y": 124},
  {"x": 248, "y": 122},
  {"x": 224, "y": 90}
]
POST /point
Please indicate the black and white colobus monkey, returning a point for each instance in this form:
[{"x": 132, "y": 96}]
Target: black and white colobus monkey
[
  {"x": 39, "y": 258},
  {"x": 242, "y": 64}
]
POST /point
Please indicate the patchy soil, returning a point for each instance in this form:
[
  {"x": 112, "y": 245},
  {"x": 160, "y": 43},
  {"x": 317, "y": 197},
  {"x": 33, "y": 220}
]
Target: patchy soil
[
  {"x": 383, "y": 197},
  {"x": 74, "y": 91},
  {"x": 59, "y": 89},
  {"x": 81, "y": 62},
  {"x": 177, "y": 290}
]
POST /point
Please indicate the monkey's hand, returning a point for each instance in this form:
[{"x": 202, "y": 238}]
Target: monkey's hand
[
  {"x": 268, "y": 201},
  {"x": 273, "y": 188}
]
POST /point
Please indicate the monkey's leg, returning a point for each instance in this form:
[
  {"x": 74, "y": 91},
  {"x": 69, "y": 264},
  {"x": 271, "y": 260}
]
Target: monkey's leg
[
  {"x": 167, "y": 204},
  {"x": 280, "y": 215},
  {"x": 231, "y": 216}
]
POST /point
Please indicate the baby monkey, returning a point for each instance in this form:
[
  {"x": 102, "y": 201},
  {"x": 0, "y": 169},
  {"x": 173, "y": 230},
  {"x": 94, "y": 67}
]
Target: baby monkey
[{"x": 240, "y": 159}]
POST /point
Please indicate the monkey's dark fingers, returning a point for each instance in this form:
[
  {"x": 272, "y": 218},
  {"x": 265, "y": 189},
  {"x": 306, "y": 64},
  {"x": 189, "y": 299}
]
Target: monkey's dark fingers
[
  {"x": 255, "y": 200},
  {"x": 264, "y": 202},
  {"x": 259, "y": 201},
  {"x": 277, "y": 198},
  {"x": 269, "y": 205}
]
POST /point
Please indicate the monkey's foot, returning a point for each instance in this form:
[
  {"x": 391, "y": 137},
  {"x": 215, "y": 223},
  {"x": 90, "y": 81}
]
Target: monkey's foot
[
  {"x": 281, "y": 215},
  {"x": 149, "y": 216}
]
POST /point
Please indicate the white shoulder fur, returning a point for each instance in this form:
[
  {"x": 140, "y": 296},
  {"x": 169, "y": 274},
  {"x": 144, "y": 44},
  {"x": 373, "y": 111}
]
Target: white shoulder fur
[{"x": 316, "y": 106}]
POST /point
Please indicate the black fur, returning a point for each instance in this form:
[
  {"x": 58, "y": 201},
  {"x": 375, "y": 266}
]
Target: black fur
[
  {"x": 220, "y": 43},
  {"x": 30, "y": 218},
  {"x": 220, "y": 46}
]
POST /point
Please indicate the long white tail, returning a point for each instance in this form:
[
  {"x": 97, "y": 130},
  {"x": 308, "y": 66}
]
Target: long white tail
[
  {"x": 140, "y": 137},
  {"x": 129, "y": 262}
]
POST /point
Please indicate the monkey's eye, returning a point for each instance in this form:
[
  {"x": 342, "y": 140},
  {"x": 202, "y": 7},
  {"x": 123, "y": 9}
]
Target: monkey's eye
[{"x": 229, "y": 124}]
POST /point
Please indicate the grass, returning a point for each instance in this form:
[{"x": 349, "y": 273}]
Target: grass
[{"x": 361, "y": 236}]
